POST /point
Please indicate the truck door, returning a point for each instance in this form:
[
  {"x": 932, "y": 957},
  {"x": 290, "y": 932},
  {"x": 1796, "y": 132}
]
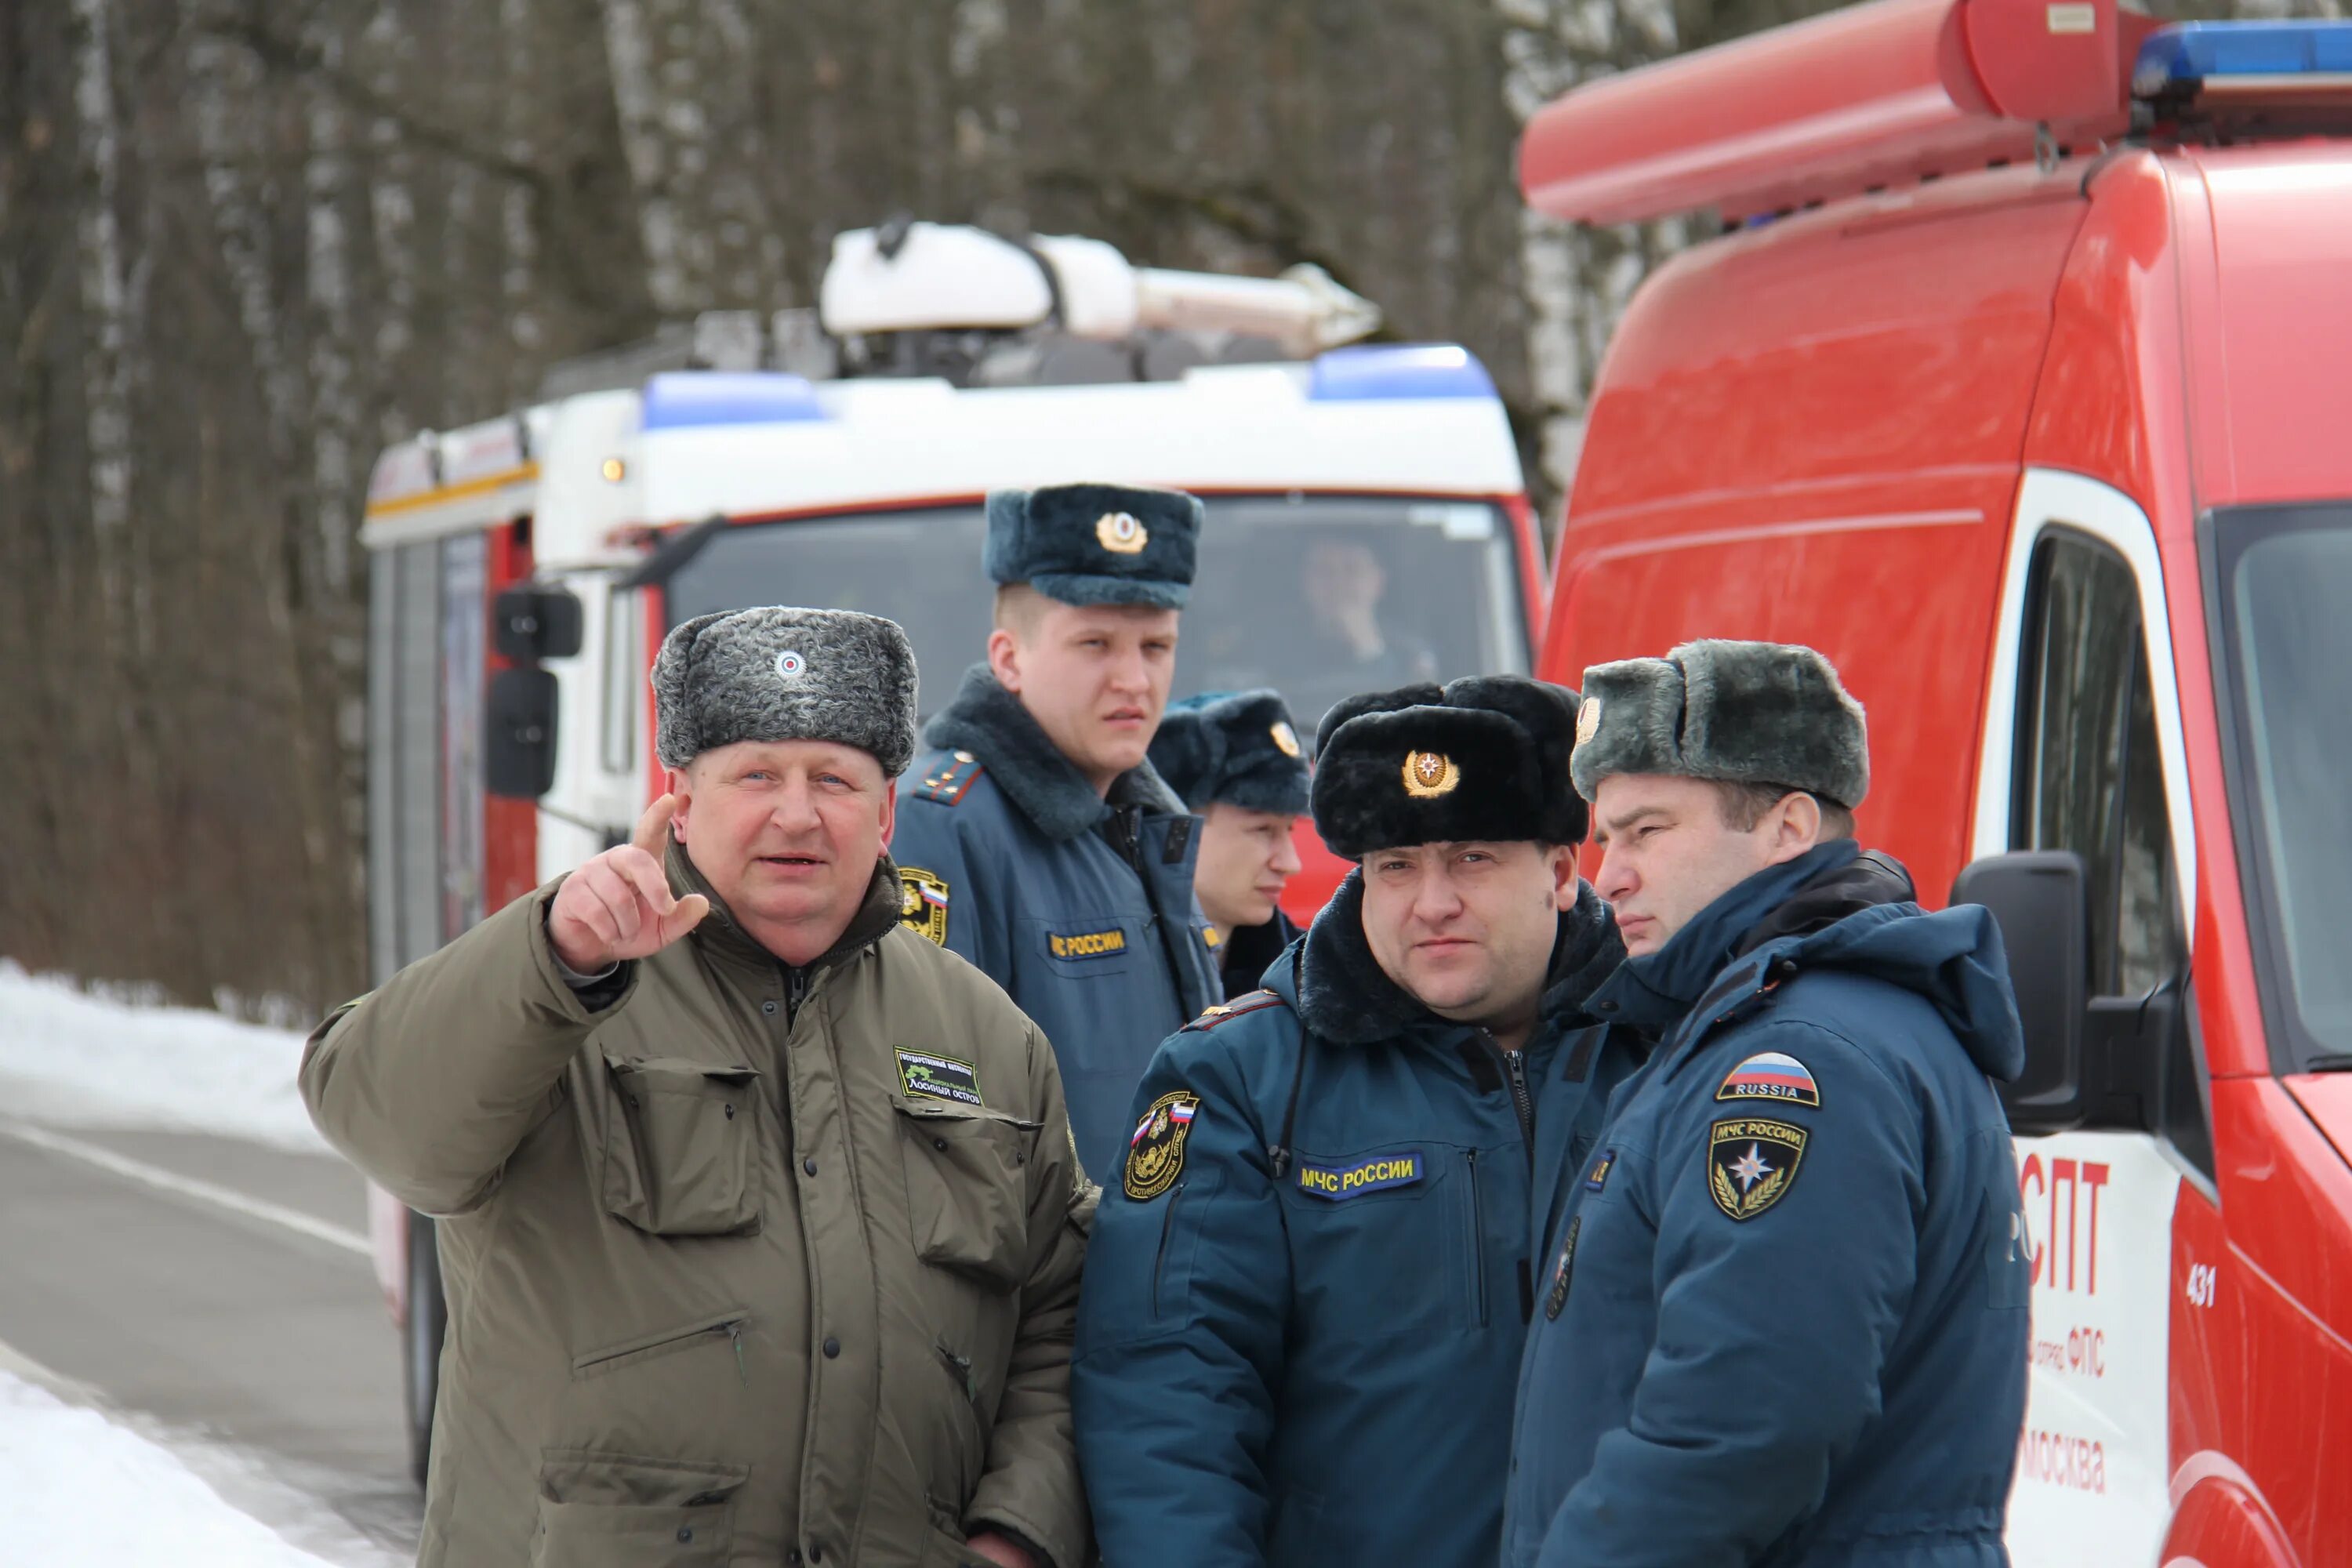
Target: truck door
[{"x": 2083, "y": 752}]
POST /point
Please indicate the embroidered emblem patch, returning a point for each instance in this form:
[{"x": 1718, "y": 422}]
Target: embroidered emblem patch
[
  {"x": 1588, "y": 719},
  {"x": 789, "y": 664},
  {"x": 1285, "y": 739},
  {"x": 1375, "y": 1174},
  {"x": 1557, "y": 1296},
  {"x": 923, "y": 902},
  {"x": 1121, "y": 533},
  {"x": 1771, "y": 1075},
  {"x": 1155, "y": 1153},
  {"x": 1598, "y": 1177},
  {"x": 1086, "y": 944},
  {"x": 1752, "y": 1164},
  {"x": 1210, "y": 938},
  {"x": 1428, "y": 774},
  {"x": 942, "y": 1078}
]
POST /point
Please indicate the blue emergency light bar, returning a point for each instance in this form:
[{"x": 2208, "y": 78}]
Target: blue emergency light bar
[
  {"x": 1396, "y": 372},
  {"x": 2188, "y": 56},
  {"x": 677, "y": 400}
]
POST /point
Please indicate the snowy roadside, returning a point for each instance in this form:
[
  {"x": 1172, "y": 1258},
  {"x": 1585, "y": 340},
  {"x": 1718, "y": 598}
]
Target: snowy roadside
[
  {"x": 78, "y": 1491},
  {"x": 74, "y": 1061}
]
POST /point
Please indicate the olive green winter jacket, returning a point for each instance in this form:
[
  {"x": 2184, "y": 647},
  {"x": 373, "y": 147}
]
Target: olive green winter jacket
[{"x": 745, "y": 1266}]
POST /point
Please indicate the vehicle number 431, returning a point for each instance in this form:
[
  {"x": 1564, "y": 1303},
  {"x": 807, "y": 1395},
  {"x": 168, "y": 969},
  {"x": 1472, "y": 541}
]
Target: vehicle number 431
[{"x": 2200, "y": 1284}]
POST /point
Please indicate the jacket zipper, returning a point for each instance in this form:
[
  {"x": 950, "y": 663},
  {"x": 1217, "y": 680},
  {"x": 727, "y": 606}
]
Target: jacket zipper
[
  {"x": 1167, "y": 1228},
  {"x": 1515, "y": 1064},
  {"x": 732, "y": 1327},
  {"x": 1477, "y": 1240}
]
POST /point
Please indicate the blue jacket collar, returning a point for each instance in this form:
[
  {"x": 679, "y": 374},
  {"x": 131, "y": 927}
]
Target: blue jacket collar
[
  {"x": 1344, "y": 996},
  {"x": 1653, "y": 992},
  {"x": 990, "y": 723}
]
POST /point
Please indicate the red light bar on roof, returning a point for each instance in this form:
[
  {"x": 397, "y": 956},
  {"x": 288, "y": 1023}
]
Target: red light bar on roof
[{"x": 1871, "y": 95}]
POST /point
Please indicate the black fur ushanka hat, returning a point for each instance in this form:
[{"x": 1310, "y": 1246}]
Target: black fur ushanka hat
[{"x": 1483, "y": 758}]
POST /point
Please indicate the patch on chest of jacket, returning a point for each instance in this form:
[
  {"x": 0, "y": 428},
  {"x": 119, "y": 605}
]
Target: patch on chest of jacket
[
  {"x": 1086, "y": 944},
  {"x": 1752, "y": 1163},
  {"x": 1562, "y": 1271},
  {"x": 1381, "y": 1171},
  {"x": 942, "y": 1078},
  {"x": 1771, "y": 1075},
  {"x": 1598, "y": 1177},
  {"x": 1155, "y": 1155},
  {"x": 923, "y": 902}
]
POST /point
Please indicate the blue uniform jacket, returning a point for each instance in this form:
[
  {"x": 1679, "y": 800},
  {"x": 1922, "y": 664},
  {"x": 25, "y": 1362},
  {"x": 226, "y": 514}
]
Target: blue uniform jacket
[
  {"x": 1082, "y": 909},
  {"x": 1308, "y": 1359},
  {"x": 1783, "y": 1313}
]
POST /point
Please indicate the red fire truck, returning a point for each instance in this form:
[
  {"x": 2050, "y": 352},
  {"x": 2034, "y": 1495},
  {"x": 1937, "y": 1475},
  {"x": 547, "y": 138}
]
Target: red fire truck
[
  {"x": 1367, "y": 525},
  {"x": 2017, "y": 383}
]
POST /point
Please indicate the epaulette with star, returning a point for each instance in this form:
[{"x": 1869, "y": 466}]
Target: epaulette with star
[
  {"x": 947, "y": 783},
  {"x": 1226, "y": 1011}
]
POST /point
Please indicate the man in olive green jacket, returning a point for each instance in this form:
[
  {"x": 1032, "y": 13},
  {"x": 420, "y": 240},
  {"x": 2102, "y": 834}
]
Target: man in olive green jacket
[{"x": 763, "y": 1221}]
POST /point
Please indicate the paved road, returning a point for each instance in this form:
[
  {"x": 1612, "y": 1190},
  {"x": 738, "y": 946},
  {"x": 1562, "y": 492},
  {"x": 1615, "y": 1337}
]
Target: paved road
[{"x": 259, "y": 1351}]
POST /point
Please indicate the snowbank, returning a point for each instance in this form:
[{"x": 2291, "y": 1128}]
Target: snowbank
[
  {"x": 77, "y": 1060},
  {"x": 79, "y": 1492}
]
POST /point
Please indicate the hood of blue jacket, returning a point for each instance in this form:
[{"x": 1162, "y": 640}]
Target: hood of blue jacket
[{"x": 1835, "y": 907}]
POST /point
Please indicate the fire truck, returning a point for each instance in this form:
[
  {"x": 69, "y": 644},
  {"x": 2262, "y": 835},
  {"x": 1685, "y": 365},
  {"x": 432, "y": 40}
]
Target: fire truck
[
  {"x": 1367, "y": 525},
  {"x": 2015, "y": 381}
]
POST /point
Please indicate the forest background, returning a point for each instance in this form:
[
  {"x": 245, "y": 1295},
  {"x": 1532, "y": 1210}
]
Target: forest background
[{"x": 244, "y": 244}]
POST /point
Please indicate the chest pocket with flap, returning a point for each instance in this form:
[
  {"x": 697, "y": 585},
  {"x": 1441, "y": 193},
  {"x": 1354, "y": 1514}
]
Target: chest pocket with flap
[
  {"x": 966, "y": 1187},
  {"x": 679, "y": 1146}
]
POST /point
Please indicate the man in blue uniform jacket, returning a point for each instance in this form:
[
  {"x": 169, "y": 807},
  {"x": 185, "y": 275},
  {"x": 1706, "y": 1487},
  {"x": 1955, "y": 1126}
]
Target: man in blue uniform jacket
[
  {"x": 1033, "y": 837},
  {"x": 1234, "y": 757},
  {"x": 1783, "y": 1313},
  {"x": 1311, "y": 1275}
]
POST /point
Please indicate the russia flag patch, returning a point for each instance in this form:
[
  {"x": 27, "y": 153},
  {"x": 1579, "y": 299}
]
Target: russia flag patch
[{"x": 1771, "y": 1075}]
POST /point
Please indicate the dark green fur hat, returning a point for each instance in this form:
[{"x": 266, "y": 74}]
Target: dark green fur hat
[
  {"x": 1095, "y": 544},
  {"x": 1740, "y": 712},
  {"x": 1484, "y": 758},
  {"x": 1235, "y": 746}
]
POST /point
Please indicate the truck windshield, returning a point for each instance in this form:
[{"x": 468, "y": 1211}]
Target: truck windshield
[
  {"x": 1318, "y": 596},
  {"x": 2285, "y": 576}
]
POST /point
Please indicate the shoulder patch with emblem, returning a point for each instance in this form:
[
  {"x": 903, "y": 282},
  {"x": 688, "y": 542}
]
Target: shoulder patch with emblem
[
  {"x": 1376, "y": 1174},
  {"x": 923, "y": 902},
  {"x": 1771, "y": 1075},
  {"x": 947, "y": 783},
  {"x": 1752, "y": 1164},
  {"x": 940, "y": 1078},
  {"x": 1226, "y": 1011},
  {"x": 1599, "y": 1178},
  {"x": 1155, "y": 1153}
]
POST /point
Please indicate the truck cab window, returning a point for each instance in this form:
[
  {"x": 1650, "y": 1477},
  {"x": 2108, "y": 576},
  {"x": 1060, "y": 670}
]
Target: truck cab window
[{"x": 2090, "y": 779}]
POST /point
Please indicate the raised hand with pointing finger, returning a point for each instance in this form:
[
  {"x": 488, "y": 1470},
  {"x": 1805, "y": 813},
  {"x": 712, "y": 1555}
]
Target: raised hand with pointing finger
[{"x": 618, "y": 906}]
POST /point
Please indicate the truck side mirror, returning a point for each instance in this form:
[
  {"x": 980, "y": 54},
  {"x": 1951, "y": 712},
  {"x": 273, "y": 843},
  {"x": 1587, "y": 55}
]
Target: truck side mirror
[
  {"x": 2038, "y": 898},
  {"x": 519, "y": 734},
  {"x": 530, "y": 623}
]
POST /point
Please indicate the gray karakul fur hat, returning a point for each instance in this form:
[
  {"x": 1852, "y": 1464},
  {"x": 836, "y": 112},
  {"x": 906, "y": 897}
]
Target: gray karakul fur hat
[
  {"x": 1483, "y": 758},
  {"x": 778, "y": 674},
  {"x": 1740, "y": 712},
  {"x": 1235, "y": 746},
  {"x": 1095, "y": 544}
]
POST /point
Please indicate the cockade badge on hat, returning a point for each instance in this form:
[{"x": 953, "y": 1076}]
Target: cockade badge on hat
[
  {"x": 790, "y": 664},
  {"x": 1121, "y": 533},
  {"x": 1588, "y": 719},
  {"x": 1285, "y": 739},
  {"x": 1428, "y": 774}
]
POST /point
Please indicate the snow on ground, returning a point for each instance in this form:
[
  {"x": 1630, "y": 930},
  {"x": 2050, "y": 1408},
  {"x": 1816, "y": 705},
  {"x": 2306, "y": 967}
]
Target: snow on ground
[
  {"x": 78, "y": 1060},
  {"x": 77, "y": 1491}
]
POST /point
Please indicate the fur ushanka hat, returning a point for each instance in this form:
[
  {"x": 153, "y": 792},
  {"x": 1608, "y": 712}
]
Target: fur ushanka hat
[
  {"x": 1740, "y": 712},
  {"x": 1235, "y": 746},
  {"x": 1095, "y": 544},
  {"x": 779, "y": 673},
  {"x": 1481, "y": 758}
]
